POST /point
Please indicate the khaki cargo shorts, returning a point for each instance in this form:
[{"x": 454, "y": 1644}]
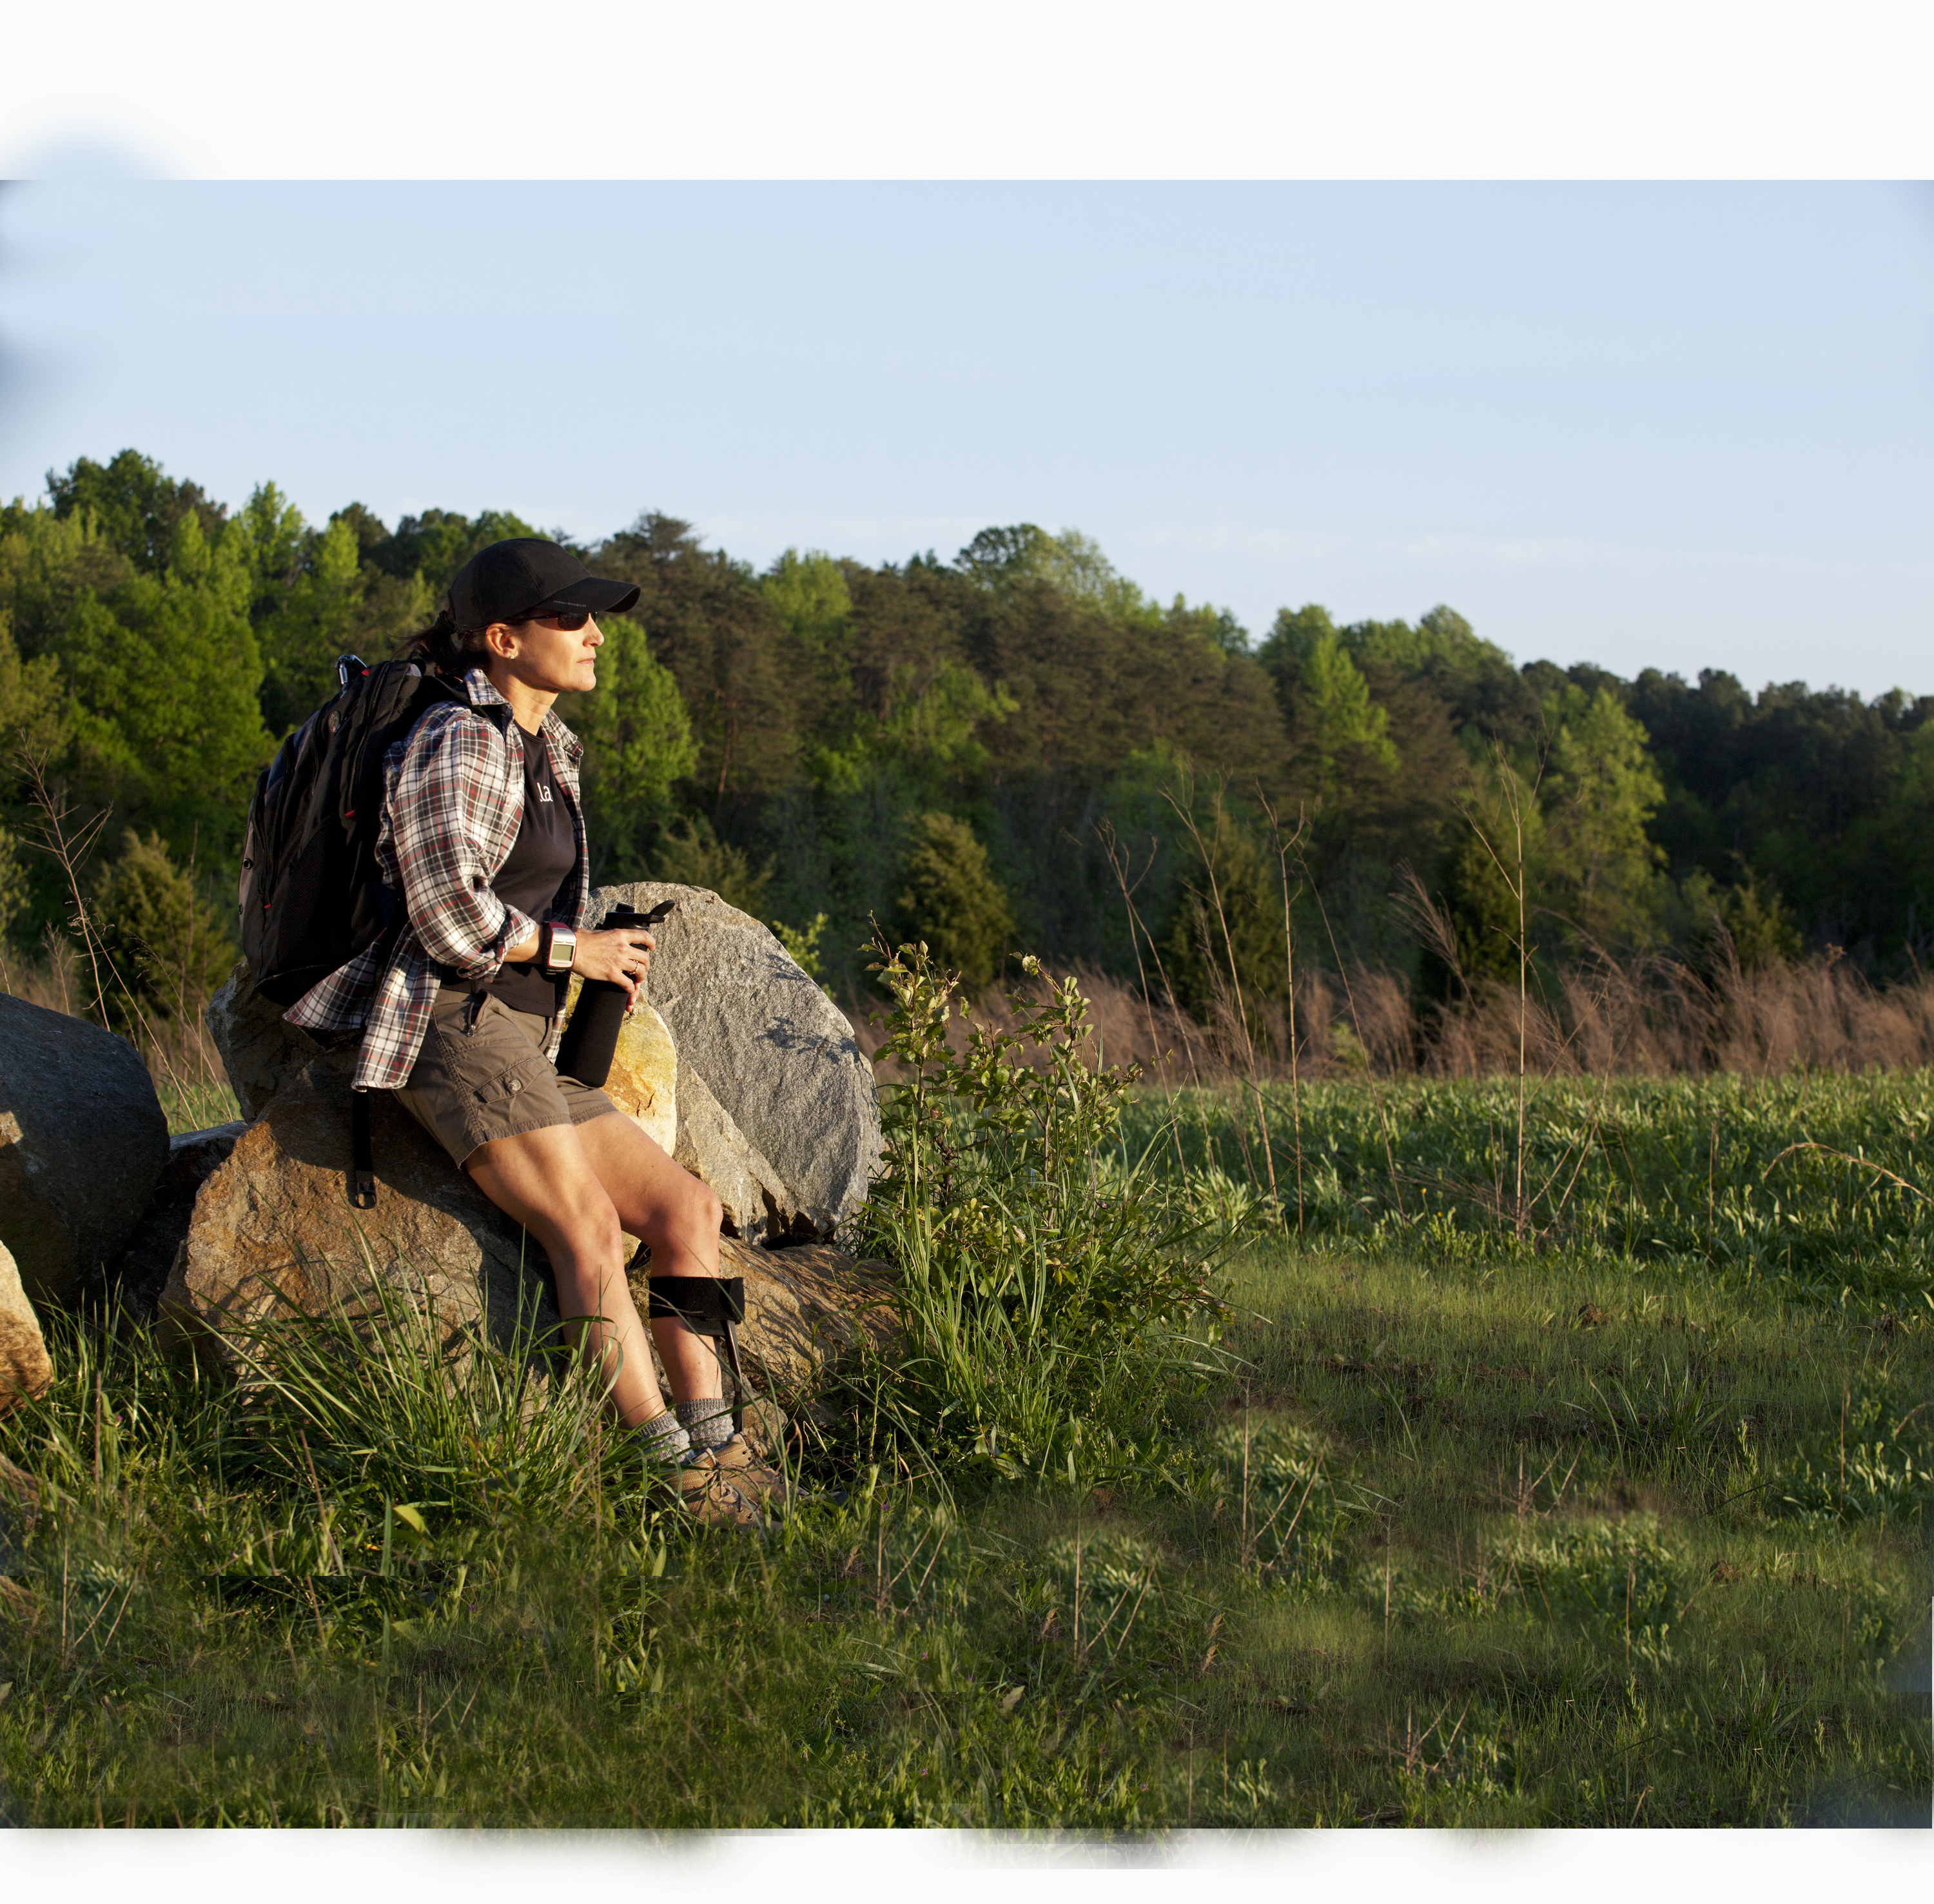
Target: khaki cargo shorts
[{"x": 482, "y": 1074}]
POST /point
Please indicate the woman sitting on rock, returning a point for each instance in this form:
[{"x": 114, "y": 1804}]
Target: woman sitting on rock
[{"x": 483, "y": 833}]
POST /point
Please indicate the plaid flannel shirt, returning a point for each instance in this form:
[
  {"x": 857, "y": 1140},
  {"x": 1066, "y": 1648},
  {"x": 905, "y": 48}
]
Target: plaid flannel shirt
[{"x": 453, "y": 801}]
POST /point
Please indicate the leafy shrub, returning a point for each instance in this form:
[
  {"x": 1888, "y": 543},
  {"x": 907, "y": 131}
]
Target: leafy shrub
[
  {"x": 1111, "y": 1567},
  {"x": 1050, "y": 1283},
  {"x": 1278, "y": 1492}
]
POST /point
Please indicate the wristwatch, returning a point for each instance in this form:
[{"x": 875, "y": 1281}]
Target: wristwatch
[{"x": 557, "y": 947}]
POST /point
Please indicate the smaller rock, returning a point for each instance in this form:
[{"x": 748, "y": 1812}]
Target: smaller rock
[
  {"x": 82, "y": 1140},
  {"x": 24, "y": 1368},
  {"x": 141, "y": 1272},
  {"x": 715, "y": 1151},
  {"x": 644, "y": 1081}
]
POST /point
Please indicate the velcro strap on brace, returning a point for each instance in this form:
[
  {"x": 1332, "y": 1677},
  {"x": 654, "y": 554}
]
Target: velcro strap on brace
[{"x": 707, "y": 1302}]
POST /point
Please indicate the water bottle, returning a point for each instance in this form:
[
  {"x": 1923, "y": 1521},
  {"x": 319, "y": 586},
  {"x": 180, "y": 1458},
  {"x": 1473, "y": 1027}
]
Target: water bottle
[{"x": 591, "y": 1037}]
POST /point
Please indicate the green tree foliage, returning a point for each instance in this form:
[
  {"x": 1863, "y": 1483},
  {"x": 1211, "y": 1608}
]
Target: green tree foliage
[
  {"x": 311, "y": 611},
  {"x": 810, "y": 596},
  {"x": 1348, "y": 735},
  {"x": 1492, "y": 883},
  {"x": 1372, "y": 765},
  {"x": 692, "y": 854},
  {"x": 950, "y": 902},
  {"x": 33, "y": 707},
  {"x": 791, "y": 736},
  {"x": 710, "y": 624},
  {"x": 430, "y": 548},
  {"x": 165, "y": 677},
  {"x": 1746, "y": 924},
  {"x": 135, "y": 508},
  {"x": 1827, "y": 796},
  {"x": 1599, "y": 865},
  {"x": 13, "y": 881},
  {"x": 50, "y": 565},
  {"x": 637, "y": 746},
  {"x": 926, "y": 734},
  {"x": 1225, "y": 950},
  {"x": 169, "y": 947}
]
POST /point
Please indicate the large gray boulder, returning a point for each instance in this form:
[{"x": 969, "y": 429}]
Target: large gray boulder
[
  {"x": 272, "y": 1235},
  {"x": 82, "y": 1141},
  {"x": 142, "y": 1270},
  {"x": 757, "y": 1206},
  {"x": 779, "y": 1055},
  {"x": 272, "y": 1232}
]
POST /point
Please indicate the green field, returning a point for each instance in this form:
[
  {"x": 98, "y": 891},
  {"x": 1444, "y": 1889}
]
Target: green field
[{"x": 1611, "y": 1513}]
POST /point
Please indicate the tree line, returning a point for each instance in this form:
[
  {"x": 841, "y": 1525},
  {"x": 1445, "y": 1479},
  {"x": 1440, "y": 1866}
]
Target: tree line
[{"x": 1010, "y": 748}]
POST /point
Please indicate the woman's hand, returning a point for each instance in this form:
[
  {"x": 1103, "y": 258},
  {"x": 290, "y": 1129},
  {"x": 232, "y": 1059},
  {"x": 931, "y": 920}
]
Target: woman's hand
[{"x": 622, "y": 956}]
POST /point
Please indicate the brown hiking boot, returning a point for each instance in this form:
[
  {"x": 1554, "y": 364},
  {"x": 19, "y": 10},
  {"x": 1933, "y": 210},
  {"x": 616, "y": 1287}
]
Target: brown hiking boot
[
  {"x": 713, "y": 1496},
  {"x": 752, "y": 1477}
]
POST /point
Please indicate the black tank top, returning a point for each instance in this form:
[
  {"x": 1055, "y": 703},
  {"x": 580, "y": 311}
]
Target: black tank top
[{"x": 538, "y": 878}]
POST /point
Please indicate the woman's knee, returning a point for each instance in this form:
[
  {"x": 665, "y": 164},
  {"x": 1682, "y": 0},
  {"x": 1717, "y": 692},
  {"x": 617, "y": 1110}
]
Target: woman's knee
[
  {"x": 591, "y": 1230},
  {"x": 704, "y": 1212},
  {"x": 690, "y": 1218}
]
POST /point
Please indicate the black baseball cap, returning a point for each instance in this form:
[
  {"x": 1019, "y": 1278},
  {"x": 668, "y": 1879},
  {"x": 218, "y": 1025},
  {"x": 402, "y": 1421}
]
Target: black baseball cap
[{"x": 512, "y": 580}]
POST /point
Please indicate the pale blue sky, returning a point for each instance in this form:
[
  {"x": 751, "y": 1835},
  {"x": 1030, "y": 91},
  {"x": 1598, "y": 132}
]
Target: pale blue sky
[{"x": 1674, "y": 426}]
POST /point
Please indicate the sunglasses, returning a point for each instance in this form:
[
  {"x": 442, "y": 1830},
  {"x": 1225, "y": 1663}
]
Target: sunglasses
[{"x": 569, "y": 620}]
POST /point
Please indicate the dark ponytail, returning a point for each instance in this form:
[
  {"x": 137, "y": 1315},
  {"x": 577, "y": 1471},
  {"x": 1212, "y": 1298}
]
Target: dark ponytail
[{"x": 440, "y": 646}]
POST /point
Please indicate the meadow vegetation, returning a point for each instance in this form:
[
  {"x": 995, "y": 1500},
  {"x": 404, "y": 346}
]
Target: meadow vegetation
[{"x": 1606, "y": 1504}]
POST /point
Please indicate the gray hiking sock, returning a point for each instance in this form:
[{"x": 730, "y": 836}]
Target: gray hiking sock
[
  {"x": 708, "y": 1422},
  {"x": 663, "y": 1438}
]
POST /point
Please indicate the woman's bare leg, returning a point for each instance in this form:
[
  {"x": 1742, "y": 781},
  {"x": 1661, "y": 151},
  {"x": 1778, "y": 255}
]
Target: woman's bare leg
[
  {"x": 578, "y": 1191},
  {"x": 543, "y": 1180},
  {"x": 664, "y": 1206}
]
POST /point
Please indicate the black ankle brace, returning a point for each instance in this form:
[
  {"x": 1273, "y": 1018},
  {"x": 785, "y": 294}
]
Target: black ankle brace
[{"x": 705, "y": 1303}]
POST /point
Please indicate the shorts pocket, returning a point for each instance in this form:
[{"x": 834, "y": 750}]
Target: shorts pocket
[
  {"x": 490, "y": 1059},
  {"x": 494, "y": 1089}
]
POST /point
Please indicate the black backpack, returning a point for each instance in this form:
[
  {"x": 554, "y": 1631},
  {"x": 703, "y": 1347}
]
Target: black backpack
[{"x": 312, "y": 897}]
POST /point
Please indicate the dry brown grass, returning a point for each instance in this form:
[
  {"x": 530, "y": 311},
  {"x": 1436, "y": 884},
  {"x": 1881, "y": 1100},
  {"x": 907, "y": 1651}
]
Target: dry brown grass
[
  {"x": 179, "y": 1054},
  {"x": 1658, "y": 1018},
  {"x": 1646, "y": 1017}
]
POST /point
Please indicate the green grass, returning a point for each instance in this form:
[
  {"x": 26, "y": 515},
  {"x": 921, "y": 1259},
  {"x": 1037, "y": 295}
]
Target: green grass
[
  {"x": 197, "y": 1105},
  {"x": 1619, "y": 1528},
  {"x": 1684, "y": 1176}
]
